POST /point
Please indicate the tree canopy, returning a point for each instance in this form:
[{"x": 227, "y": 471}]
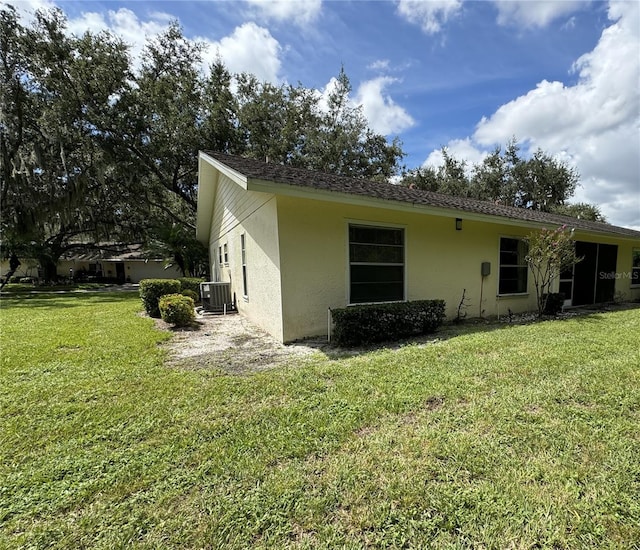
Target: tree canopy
[
  {"x": 97, "y": 148},
  {"x": 540, "y": 182}
]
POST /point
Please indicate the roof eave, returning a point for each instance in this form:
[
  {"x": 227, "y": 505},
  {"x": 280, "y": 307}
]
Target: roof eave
[
  {"x": 292, "y": 190},
  {"x": 209, "y": 171}
]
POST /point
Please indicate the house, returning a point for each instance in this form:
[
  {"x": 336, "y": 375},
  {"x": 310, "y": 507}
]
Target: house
[
  {"x": 294, "y": 243},
  {"x": 130, "y": 264},
  {"x": 126, "y": 265}
]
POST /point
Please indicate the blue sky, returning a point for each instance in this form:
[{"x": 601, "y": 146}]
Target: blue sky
[{"x": 562, "y": 75}]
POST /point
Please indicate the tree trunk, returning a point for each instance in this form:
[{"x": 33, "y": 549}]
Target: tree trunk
[{"x": 49, "y": 270}]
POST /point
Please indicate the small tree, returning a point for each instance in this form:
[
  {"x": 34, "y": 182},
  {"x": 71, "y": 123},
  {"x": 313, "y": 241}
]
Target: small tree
[{"x": 551, "y": 251}]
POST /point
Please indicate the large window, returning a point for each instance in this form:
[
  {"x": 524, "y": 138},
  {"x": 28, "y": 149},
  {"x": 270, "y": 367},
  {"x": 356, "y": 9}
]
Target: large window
[
  {"x": 635, "y": 267},
  {"x": 376, "y": 264},
  {"x": 513, "y": 266}
]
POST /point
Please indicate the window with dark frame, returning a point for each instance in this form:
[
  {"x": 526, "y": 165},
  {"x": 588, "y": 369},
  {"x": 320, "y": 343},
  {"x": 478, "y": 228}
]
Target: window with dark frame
[
  {"x": 635, "y": 267},
  {"x": 220, "y": 255},
  {"x": 376, "y": 264},
  {"x": 226, "y": 254},
  {"x": 245, "y": 292},
  {"x": 513, "y": 266}
]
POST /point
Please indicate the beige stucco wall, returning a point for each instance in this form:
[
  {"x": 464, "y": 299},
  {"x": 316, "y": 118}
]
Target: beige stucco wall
[
  {"x": 440, "y": 261},
  {"x": 238, "y": 211}
]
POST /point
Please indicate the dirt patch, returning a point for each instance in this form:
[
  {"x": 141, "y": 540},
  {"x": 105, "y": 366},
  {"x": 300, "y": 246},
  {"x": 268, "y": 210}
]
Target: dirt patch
[
  {"x": 230, "y": 343},
  {"x": 233, "y": 344}
]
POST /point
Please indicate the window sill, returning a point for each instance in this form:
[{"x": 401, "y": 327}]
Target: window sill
[
  {"x": 514, "y": 295},
  {"x": 374, "y": 303}
]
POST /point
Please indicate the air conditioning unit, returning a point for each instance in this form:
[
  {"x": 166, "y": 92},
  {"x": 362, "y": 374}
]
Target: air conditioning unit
[{"x": 217, "y": 297}]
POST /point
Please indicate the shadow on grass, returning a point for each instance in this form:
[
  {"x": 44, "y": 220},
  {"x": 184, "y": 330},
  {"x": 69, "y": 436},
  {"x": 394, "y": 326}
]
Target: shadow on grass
[
  {"x": 451, "y": 330},
  {"x": 63, "y": 300}
]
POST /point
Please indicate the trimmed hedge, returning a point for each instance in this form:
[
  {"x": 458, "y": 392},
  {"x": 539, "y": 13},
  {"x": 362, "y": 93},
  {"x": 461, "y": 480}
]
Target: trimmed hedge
[
  {"x": 191, "y": 283},
  {"x": 151, "y": 290},
  {"x": 191, "y": 294},
  {"x": 177, "y": 309},
  {"x": 365, "y": 324}
]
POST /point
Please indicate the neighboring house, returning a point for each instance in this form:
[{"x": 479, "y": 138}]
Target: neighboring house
[
  {"x": 129, "y": 266},
  {"x": 294, "y": 243}
]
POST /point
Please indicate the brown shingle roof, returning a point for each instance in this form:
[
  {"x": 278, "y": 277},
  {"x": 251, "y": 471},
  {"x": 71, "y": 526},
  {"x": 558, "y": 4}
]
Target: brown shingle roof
[{"x": 279, "y": 173}]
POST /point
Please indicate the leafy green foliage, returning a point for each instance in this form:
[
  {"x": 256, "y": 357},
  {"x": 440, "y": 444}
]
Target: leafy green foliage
[
  {"x": 191, "y": 283},
  {"x": 95, "y": 150},
  {"x": 550, "y": 252},
  {"x": 581, "y": 210},
  {"x": 191, "y": 294},
  {"x": 553, "y": 303},
  {"x": 177, "y": 309},
  {"x": 540, "y": 182},
  {"x": 365, "y": 324},
  {"x": 151, "y": 290},
  {"x": 59, "y": 190}
]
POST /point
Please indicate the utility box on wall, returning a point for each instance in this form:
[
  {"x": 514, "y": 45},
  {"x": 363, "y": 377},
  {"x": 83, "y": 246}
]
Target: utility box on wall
[{"x": 485, "y": 269}]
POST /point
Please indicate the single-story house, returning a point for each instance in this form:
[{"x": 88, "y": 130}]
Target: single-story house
[
  {"x": 127, "y": 265},
  {"x": 294, "y": 243}
]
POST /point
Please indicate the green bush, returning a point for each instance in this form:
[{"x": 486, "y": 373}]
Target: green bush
[
  {"x": 553, "y": 303},
  {"x": 151, "y": 290},
  {"x": 177, "y": 309},
  {"x": 193, "y": 295},
  {"x": 357, "y": 325},
  {"x": 191, "y": 283}
]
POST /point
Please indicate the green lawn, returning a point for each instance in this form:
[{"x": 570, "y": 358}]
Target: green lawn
[{"x": 522, "y": 437}]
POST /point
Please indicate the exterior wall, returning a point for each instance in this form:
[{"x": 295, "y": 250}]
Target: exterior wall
[
  {"x": 236, "y": 212},
  {"x": 439, "y": 262},
  {"x": 28, "y": 268}
]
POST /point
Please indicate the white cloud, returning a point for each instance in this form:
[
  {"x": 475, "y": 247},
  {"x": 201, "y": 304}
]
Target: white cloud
[
  {"x": 463, "y": 149},
  {"x": 534, "y": 13},
  {"x": 383, "y": 114},
  {"x": 379, "y": 65},
  {"x": 124, "y": 23},
  {"x": 26, "y": 8},
  {"x": 250, "y": 48},
  {"x": 594, "y": 125},
  {"x": 301, "y": 12},
  {"x": 429, "y": 14}
]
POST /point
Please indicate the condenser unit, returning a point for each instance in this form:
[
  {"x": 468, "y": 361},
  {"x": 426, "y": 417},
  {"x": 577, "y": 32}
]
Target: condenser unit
[{"x": 217, "y": 297}]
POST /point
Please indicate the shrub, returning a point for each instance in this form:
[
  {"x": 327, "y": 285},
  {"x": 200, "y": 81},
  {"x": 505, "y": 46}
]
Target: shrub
[
  {"x": 366, "y": 324},
  {"x": 553, "y": 303},
  {"x": 177, "y": 309},
  {"x": 151, "y": 290},
  {"x": 191, "y": 283},
  {"x": 191, "y": 294}
]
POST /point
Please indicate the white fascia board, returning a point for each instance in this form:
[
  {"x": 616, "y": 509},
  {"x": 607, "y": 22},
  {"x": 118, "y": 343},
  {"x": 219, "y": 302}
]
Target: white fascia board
[
  {"x": 209, "y": 171},
  {"x": 232, "y": 174}
]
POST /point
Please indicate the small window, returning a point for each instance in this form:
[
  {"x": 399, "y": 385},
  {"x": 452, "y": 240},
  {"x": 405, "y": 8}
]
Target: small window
[
  {"x": 635, "y": 267},
  {"x": 220, "y": 255},
  {"x": 244, "y": 265},
  {"x": 513, "y": 266},
  {"x": 226, "y": 254},
  {"x": 376, "y": 264}
]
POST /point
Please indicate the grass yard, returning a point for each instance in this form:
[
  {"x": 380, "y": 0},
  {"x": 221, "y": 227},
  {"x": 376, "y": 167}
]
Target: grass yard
[{"x": 522, "y": 437}]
